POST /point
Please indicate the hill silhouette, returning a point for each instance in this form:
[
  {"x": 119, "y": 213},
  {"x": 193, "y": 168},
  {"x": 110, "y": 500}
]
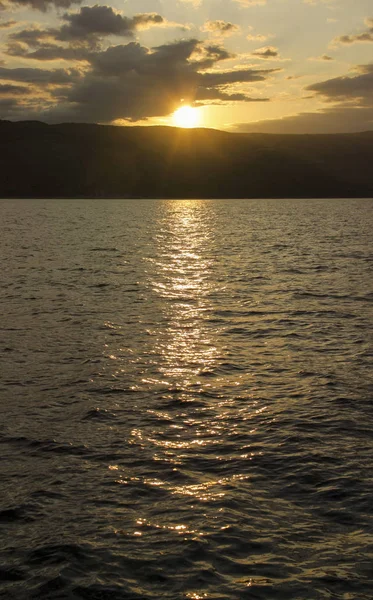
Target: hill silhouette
[{"x": 83, "y": 160}]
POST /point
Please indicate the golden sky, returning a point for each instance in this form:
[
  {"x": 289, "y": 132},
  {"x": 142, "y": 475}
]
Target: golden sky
[{"x": 246, "y": 65}]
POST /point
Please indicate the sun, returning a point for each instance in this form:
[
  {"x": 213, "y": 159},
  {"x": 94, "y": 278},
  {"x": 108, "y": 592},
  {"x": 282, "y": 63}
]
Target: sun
[{"x": 186, "y": 116}]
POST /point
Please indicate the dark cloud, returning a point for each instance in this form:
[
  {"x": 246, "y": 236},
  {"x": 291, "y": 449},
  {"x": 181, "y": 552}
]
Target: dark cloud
[
  {"x": 217, "y": 95},
  {"x": 119, "y": 60},
  {"x": 218, "y": 52},
  {"x": 236, "y": 76},
  {"x": 82, "y": 33},
  {"x": 352, "y": 39},
  {"x": 132, "y": 82},
  {"x": 14, "y": 90},
  {"x": 365, "y": 36},
  {"x": 147, "y": 20},
  {"x": 182, "y": 58},
  {"x": 358, "y": 88},
  {"x": 102, "y": 21},
  {"x": 40, "y": 76},
  {"x": 220, "y": 27},
  {"x": 323, "y": 57},
  {"x": 364, "y": 68},
  {"x": 178, "y": 54},
  {"x": 210, "y": 54},
  {"x": 46, "y": 52},
  {"x": 20, "y": 42},
  {"x": 266, "y": 52},
  {"x": 32, "y": 36},
  {"x": 40, "y": 44},
  {"x": 26, "y": 107},
  {"x": 42, "y": 5}
]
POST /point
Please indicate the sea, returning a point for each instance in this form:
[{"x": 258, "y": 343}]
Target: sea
[{"x": 186, "y": 399}]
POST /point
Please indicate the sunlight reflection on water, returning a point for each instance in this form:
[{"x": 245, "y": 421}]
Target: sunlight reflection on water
[{"x": 182, "y": 278}]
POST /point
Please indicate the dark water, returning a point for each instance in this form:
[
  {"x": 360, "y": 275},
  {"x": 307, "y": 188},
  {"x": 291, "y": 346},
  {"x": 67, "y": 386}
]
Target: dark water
[{"x": 186, "y": 400}]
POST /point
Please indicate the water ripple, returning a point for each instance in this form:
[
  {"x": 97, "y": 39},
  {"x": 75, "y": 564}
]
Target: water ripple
[{"x": 186, "y": 400}]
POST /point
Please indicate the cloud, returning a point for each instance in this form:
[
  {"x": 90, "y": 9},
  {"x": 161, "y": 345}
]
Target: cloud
[
  {"x": 40, "y": 76},
  {"x": 330, "y": 120},
  {"x": 119, "y": 60},
  {"x": 40, "y": 44},
  {"x": 42, "y": 5},
  {"x": 365, "y": 36},
  {"x": 14, "y": 90},
  {"x": 124, "y": 81},
  {"x": 21, "y": 107},
  {"x": 352, "y": 108},
  {"x": 368, "y": 68},
  {"x": 7, "y": 24},
  {"x": 257, "y": 37},
  {"x": 323, "y": 57},
  {"x": 217, "y": 95},
  {"x": 82, "y": 33},
  {"x": 220, "y": 27},
  {"x": 133, "y": 82},
  {"x": 33, "y": 36},
  {"x": 247, "y": 3},
  {"x": 46, "y": 52},
  {"x": 358, "y": 88},
  {"x": 209, "y": 54},
  {"x": 220, "y": 78},
  {"x": 93, "y": 23},
  {"x": 266, "y": 52},
  {"x": 98, "y": 21}
]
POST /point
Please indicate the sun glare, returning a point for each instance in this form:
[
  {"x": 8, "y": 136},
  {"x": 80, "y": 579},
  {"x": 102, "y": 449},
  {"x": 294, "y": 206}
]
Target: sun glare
[{"x": 186, "y": 116}]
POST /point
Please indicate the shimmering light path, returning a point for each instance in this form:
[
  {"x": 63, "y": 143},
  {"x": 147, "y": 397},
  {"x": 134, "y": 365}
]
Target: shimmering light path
[{"x": 186, "y": 400}]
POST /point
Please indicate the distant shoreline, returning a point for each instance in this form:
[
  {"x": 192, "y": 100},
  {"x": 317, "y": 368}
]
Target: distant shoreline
[
  {"x": 56, "y": 198},
  {"x": 82, "y": 161}
]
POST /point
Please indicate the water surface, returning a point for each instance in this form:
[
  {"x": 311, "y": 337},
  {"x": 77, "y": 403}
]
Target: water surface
[{"x": 186, "y": 399}]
